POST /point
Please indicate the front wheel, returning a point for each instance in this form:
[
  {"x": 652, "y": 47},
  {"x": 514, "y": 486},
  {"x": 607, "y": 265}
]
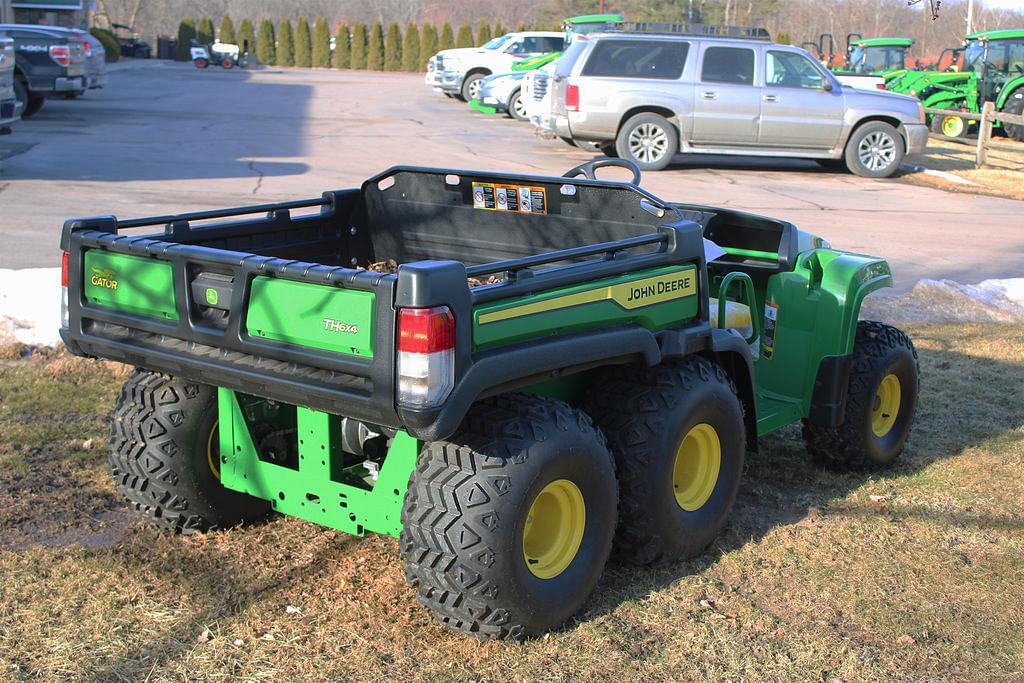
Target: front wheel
[
  {"x": 875, "y": 150},
  {"x": 648, "y": 140},
  {"x": 880, "y": 402},
  {"x": 471, "y": 87},
  {"x": 228, "y": 64},
  {"x": 200, "y": 63},
  {"x": 516, "y": 106},
  {"x": 1014, "y": 105},
  {"x": 508, "y": 523},
  {"x": 678, "y": 437},
  {"x": 949, "y": 126}
]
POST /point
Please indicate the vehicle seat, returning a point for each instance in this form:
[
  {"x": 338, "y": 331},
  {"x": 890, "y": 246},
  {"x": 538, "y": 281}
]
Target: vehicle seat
[{"x": 737, "y": 317}]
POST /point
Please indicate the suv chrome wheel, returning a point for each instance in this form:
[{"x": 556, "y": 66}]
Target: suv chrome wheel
[
  {"x": 877, "y": 150},
  {"x": 648, "y": 143}
]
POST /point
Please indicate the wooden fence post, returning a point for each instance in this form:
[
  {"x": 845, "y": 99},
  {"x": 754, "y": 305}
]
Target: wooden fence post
[{"x": 984, "y": 134}]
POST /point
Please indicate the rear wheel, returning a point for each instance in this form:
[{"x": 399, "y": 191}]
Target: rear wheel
[
  {"x": 516, "y": 106},
  {"x": 875, "y": 150},
  {"x": 508, "y": 523},
  {"x": 165, "y": 456},
  {"x": 648, "y": 140},
  {"x": 880, "y": 402},
  {"x": 678, "y": 437},
  {"x": 228, "y": 64},
  {"x": 1014, "y": 105},
  {"x": 201, "y": 63}
]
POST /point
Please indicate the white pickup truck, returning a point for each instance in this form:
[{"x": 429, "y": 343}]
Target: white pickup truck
[{"x": 458, "y": 72}]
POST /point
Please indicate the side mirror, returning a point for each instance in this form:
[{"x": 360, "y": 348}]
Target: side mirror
[{"x": 827, "y": 86}]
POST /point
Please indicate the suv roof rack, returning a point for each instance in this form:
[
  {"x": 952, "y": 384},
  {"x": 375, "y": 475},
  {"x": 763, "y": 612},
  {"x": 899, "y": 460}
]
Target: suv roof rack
[{"x": 683, "y": 28}]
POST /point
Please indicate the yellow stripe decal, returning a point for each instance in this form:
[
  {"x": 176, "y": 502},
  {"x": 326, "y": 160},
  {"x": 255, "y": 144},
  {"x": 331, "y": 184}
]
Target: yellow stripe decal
[{"x": 630, "y": 295}]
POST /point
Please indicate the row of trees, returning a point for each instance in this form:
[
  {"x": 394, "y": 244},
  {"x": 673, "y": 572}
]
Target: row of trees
[{"x": 356, "y": 47}]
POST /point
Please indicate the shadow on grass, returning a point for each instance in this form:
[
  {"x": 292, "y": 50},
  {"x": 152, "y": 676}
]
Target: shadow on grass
[{"x": 964, "y": 401}]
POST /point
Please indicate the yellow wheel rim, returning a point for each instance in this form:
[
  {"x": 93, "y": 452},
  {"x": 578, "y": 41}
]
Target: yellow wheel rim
[
  {"x": 212, "y": 451},
  {"x": 554, "y": 529},
  {"x": 952, "y": 126},
  {"x": 887, "y": 405},
  {"x": 695, "y": 472}
]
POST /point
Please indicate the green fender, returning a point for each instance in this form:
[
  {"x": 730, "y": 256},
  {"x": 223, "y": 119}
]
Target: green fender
[
  {"x": 1014, "y": 86},
  {"x": 845, "y": 279}
]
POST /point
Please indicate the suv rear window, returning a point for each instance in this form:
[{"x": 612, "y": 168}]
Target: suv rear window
[
  {"x": 637, "y": 59},
  {"x": 728, "y": 65}
]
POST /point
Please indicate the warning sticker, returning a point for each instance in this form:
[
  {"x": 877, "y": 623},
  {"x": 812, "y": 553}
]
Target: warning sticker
[
  {"x": 771, "y": 315},
  {"x": 498, "y": 197}
]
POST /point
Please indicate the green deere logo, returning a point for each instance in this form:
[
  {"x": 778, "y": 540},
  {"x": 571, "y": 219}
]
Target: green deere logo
[{"x": 211, "y": 296}]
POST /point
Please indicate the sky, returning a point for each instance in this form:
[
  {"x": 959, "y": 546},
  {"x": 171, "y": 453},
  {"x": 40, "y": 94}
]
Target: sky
[{"x": 1006, "y": 4}]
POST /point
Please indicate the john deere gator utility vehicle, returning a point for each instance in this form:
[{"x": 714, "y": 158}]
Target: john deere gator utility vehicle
[
  {"x": 553, "y": 371},
  {"x": 993, "y": 71}
]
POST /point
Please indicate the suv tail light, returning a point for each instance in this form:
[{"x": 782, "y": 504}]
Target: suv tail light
[
  {"x": 572, "y": 98},
  {"x": 60, "y": 54},
  {"x": 64, "y": 319},
  {"x": 88, "y": 49},
  {"x": 426, "y": 356}
]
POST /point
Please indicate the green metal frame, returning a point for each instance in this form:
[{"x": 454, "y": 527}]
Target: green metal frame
[{"x": 315, "y": 491}]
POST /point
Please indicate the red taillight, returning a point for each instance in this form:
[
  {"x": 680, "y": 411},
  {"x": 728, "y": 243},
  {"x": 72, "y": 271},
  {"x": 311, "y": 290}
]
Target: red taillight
[
  {"x": 64, "y": 319},
  {"x": 60, "y": 54},
  {"x": 426, "y": 330},
  {"x": 425, "y": 361},
  {"x": 572, "y": 98},
  {"x": 88, "y": 49},
  {"x": 880, "y": 86}
]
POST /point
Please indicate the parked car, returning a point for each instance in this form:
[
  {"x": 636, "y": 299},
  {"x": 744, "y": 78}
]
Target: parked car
[
  {"x": 10, "y": 107},
  {"x": 502, "y": 93},
  {"x": 646, "y": 96},
  {"x": 48, "y": 62},
  {"x": 458, "y": 72}
]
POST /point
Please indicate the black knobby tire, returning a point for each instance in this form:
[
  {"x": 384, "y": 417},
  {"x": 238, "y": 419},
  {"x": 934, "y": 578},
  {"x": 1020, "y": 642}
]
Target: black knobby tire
[
  {"x": 464, "y": 517},
  {"x": 646, "y": 414},
  {"x": 160, "y": 437},
  {"x": 879, "y": 350},
  {"x": 885, "y": 131},
  {"x": 660, "y": 129},
  {"x": 1014, "y": 105}
]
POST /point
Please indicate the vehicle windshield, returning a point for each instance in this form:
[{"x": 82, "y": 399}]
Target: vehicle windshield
[
  {"x": 1005, "y": 56},
  {"x": 866, "y": 60},
  {"x": 573, "y": 30},
  {"x": 495, "y": 43},
  {"x": 974, "y": 55}
]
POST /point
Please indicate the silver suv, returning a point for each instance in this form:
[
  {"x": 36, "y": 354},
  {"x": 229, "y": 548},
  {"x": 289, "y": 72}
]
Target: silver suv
[{"x": 645, "y": 97}]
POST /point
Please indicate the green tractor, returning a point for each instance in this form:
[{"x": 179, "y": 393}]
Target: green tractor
[
  {"x": 868, "y": 62},
  {"x": 543, "y": 371},
  {"x": 993, "y": 71}
]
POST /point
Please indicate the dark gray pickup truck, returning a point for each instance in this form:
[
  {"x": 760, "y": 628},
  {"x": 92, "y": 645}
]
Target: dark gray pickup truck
[{"x": 47, "y": 62}]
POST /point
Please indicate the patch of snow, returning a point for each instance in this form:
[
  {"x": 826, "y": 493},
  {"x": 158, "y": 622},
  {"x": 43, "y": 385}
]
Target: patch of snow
[
  {"x": 951, "y": 177},
  {"x": 1000, "y": 300},
  {"x": 30, "y": 306}
]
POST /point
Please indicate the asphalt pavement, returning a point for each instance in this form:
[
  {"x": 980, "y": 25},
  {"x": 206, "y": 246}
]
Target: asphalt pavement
[{"x": 165, "y": 138}]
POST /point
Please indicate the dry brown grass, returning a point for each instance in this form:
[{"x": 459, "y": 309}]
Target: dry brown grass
[
  {"x": 912, "y": 574},
  {"x": 1002, "y": 176}
]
